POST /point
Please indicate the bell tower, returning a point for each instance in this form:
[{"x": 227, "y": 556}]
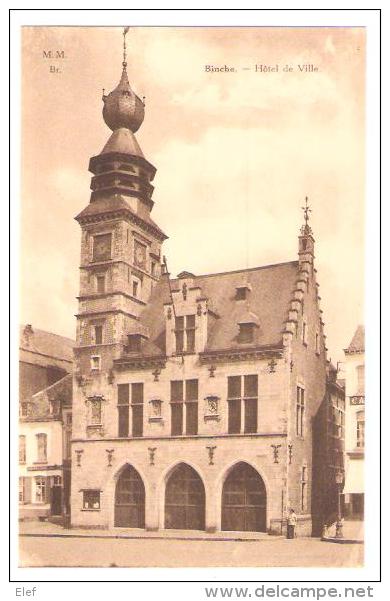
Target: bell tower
[{"x": 120, "y": 243}]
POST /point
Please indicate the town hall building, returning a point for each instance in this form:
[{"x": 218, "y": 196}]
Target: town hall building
[{"x": 194, "y": 396}]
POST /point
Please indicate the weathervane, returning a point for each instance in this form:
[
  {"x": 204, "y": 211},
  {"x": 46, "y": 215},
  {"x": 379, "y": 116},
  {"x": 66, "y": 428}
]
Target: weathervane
[
  {"x": 306, "y": 229},
  {"x": 306, "y": 210},
  {"x": 125, "y": 30}
]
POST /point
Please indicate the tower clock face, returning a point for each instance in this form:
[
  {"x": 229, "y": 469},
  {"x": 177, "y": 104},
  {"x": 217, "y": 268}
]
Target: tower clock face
[
  {"x": 139, "y": 254},
  {"x": 102, "y": 247}
]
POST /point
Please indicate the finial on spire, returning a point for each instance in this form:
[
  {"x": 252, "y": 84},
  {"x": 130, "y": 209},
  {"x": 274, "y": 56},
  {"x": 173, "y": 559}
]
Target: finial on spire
[
  {"x": 306, "y": 229},
  {"x": 306, "y": 210},
  {"x": 125, "y": 30},
  {"x": 122, "y": 107}
]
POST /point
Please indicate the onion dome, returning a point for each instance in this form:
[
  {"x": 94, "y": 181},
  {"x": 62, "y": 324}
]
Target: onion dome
[{"x": 122, "y": 107}]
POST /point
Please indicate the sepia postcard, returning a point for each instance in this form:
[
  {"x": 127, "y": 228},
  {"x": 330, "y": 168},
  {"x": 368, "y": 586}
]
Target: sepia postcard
[{"x": 192, "y": 298}]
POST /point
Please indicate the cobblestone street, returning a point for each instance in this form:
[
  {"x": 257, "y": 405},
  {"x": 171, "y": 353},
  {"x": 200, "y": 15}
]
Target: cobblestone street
[{"x": 46, "y": 545}]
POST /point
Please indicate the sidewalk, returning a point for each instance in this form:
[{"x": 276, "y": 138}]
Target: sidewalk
[
  {"x": 353, "y": 532},
  {"x": 48, "y": 529}
]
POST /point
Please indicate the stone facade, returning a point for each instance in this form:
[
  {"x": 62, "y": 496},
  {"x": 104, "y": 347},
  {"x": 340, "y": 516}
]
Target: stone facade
[{"x": 213, "y": 458}]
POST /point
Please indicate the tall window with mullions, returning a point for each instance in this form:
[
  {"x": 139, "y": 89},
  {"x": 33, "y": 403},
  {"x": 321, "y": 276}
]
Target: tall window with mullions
[
  {"x": 250, "y": 403},
  {"x": 191, "y": 406},
  {"x": 137, "y": 409},
  {"x": 123, "y": 410},
  {"x": 242, "y": 404},
  {"x": 177, "y": 407}
]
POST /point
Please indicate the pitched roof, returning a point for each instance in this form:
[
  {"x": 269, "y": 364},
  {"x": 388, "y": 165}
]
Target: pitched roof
[
  {"x": 62, "y": 391},
  {"x": 271, "y": 290},
  {"x": 45, "y": 348},
  {"x": 357, "y": 343}
]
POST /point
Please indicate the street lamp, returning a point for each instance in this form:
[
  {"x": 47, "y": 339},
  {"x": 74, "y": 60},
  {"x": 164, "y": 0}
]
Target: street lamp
[{"x": 339, "y": 477}]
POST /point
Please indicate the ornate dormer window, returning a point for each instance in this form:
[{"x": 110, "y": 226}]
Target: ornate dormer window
[
  {"x": 185, "y": 333},
  {"x": 134, "y": 343},
  {"x": 247, "y": 324},
  {"x": 246, "y": 333},
  {"x": 136, "y": 337},
  {"x": 242, "y": 292}
]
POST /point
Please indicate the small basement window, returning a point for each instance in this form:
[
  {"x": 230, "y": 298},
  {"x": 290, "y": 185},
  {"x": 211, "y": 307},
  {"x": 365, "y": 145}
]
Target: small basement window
[{"x": 91, "y": 499}]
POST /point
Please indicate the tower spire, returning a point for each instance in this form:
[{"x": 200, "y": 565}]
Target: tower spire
[
  {"x": 306, "y": 229},
  {"x": 306, "y": 240},
  {"x": 122, "y": 107},
  {"x": 125, "y": 30}
]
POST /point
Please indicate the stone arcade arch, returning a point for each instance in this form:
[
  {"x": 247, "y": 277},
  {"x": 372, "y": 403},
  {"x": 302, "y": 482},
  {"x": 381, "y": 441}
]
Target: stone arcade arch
[
  {"x": 129, "y": 499},
  {"x": 185, "y": 505},
  {"x": 244, "y": 500}
]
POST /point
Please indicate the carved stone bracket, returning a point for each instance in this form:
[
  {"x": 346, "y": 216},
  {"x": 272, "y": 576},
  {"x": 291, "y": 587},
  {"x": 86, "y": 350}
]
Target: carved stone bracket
[
  {"x": 79, "y": 453},
  {"x": 156, "y": 374},
  {"x": 110, "y": 453},
  {"x": 276, "y": 448},
  {"x": 290, "y": 453},
  {"x": 212, "y": 369},
  {"x": 152, "y": 452},
  {"x": 271, "y": 366},
  {"x": 211, "y": 451}
]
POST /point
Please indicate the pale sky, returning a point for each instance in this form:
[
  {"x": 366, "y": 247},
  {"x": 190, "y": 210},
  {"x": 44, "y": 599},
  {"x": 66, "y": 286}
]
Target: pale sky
[{"x": 236, "y": 153}]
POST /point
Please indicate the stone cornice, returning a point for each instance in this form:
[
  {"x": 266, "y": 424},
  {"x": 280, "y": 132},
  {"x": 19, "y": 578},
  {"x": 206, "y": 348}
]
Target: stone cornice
[
  {"x": 238, "y": 354},
  {"x": 43, "y": 468},
  {"x": 123, "y": 213},
  {"x": 98, "y": 295},
  {"x": 139, "y": 362},
  {"x": 107, "y": 311},
  {"x": 184, "y": 437}
]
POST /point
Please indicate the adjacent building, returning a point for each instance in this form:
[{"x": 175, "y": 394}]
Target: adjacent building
[
  {"x": 328, "y": 452},
  {"x": 194, "y": 397},
  {"x": 354, "y": 425},
  {"x": 45, "y": 423}
]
